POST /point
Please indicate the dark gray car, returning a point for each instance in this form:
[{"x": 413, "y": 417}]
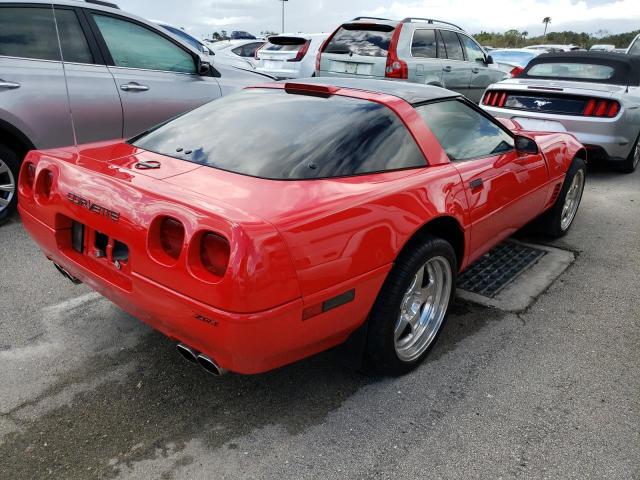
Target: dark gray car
[{"x": 79, "y": 72}]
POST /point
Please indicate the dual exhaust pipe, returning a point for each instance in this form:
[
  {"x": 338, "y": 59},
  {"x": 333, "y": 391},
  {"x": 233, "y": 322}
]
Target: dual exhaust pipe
[{"x": 205, "y": 362}]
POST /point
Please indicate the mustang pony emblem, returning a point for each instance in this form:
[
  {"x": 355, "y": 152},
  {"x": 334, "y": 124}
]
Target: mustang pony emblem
[
  {"x": 93, "y": 207},
  {"x": 541, "y": 103}
]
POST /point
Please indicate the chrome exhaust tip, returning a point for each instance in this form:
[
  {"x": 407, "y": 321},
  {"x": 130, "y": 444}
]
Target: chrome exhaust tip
[
  {"x": 210, "y": 366},
  {"x": 187, "y": 353}
]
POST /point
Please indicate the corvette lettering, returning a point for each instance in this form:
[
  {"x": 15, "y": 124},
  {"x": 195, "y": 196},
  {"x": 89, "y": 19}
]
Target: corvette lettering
[{"x": 93, "y": 207}]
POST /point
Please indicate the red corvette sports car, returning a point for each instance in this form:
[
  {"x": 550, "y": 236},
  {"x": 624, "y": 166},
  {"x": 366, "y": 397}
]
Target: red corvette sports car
[{"x": 274, "y": 223}]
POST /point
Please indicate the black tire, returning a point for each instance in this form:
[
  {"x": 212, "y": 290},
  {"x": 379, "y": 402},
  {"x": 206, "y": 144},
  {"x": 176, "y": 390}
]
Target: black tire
[
  {"x": 380, "y": 348},
  {"x": 551, "y": 222},
  {"x": 8, "y": 158},
  {"x": 630, "y": 164}
]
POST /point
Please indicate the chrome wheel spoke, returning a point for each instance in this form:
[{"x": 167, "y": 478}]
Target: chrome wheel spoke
[
  {"x": 3, "y": 202},
  {"x": 9, "y": 187},
  {"x": 423, "y": 309},
  {"x": 3, "y": 167}
]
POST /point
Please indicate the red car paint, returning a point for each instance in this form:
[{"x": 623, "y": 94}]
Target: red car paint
[{"x": 294, "y": 244}]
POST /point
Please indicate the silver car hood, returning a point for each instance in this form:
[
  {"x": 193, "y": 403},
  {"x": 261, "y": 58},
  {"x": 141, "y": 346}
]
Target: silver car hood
[{"x": 565, "y": 86}]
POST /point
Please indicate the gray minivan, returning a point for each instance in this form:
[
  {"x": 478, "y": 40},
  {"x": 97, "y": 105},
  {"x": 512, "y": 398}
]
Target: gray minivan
[
  {"x": 84, "y": 71},
  {"x": 419, "y": 50}
]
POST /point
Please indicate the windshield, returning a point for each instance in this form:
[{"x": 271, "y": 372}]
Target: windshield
[
  {"x": 272, "y": 134},
  {"x": 574, "y": 71},
  {"x": 508, "y": 56},
  {"x": 369, "y": 41}
]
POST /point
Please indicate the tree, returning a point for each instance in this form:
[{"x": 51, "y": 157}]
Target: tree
[
  {"x": 525, "y": 34},
  {"x": 216, "y": 37},
  {"x": 546, "y": 21}
]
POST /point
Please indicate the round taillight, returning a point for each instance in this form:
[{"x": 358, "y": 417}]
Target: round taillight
[
  {"x": 171, "y": 237},
  {"x": 44, "y": 182},
  {"x": 214, "y": 253}
]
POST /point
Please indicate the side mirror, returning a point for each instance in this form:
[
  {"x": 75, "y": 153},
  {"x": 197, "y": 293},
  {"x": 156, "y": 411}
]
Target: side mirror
[
  {"x": 204, "y": 67},
  {"x": 489, "y": 60},
  {"x": 526, "y": 145}
]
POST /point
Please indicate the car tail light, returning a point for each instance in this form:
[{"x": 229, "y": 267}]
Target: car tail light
[
  {"x": 516, "y": 71},
  {"x": 214, "y": 253},
  {"x": 596, "y": 107},
  {"x": 44, "y": 183},
  {"x": 171, "y": 237},
  {"x": 495, "y": 98},
  {"x": 395, "y": 68},
  {"x": 302, "y": 52},
  {"x": 28, "y": 176}
]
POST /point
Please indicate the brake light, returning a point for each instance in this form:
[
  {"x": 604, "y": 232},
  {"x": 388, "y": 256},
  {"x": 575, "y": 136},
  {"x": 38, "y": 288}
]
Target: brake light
[
  {"x": 495, "y": 98},
  {"x": 516, "y": 71},
  {"x": 171, "y": 237},
  {"x": 214, "y": 253},
  {"x": 43, "y": 184},
  {"x": 395, "y": 68},
  {"x": 302, "y": 52},
  {"x": 601, "y": 108}
]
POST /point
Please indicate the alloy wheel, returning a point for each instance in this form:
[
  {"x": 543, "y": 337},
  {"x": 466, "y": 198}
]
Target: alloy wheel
[
  {"x": 423, "y": 309},
  {"x": 7, "y": 186},
  {"x": 572, "y": 200}
]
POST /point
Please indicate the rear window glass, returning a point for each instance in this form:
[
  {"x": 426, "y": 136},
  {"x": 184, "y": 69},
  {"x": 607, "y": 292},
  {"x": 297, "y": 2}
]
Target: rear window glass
[
  {"x": 424, "y": 44},
  {"x": 276, "y": 135},
  {"x": 369, "y": 42},
  {"x": 580, "y": 71},
  {"x": 285, "y": 44}
]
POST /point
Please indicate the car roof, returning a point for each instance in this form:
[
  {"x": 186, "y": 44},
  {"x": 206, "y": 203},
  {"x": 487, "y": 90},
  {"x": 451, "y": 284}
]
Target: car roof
[{"x": 410, "y": 92}]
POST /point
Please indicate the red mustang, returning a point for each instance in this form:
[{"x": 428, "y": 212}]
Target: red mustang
[{"x": 273, "y": 224}]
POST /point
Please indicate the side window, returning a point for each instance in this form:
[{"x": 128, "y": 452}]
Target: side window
[
  {"x": 462, "y": 132},
  {"x": 451, "y": 42},
  {"x": 424, "y": 44},
  {"x": 28, "y": 33},
  {"x": 474, "y": 52},
  {"x": 74, "y": 44},
  {"x": 250, "y": 50},
  {"x": 134, "y": 46},
  {"x": 238, "y": 51},
  {"x": 635, "y": 48}
]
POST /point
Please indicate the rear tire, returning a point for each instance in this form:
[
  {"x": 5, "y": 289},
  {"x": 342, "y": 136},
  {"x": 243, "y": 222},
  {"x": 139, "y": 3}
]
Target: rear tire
[
  {"x": 411, "y": 307},
  {"x": 9, "y": 168},
  {"x": 557, "y": 221},
  {"x": 630, "y": 164}
]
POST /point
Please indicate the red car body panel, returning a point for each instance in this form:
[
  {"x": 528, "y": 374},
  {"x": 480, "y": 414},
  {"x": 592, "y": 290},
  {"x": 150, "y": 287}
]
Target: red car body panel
[{"x": 294, "y": 244}]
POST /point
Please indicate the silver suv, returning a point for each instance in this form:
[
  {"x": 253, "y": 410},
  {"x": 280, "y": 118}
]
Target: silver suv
[
  {"x": 419, "y": 50},
  {"x": 78, "y": 72}
]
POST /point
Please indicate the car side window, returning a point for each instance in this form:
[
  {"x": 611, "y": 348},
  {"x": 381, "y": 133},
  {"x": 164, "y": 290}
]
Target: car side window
[
  {"x": 28, "y": 33},
  {"x": 464, "y": 133},
  {"x": 72, "y": 39},
  {"x": 424, "y": 44},
  {"x": 635, "y": 48},
  {"x": 134, "y": 46},
  {"x": 474, "y": 52},
  {"x": 452, "y": 43},
  {"x": 250, "y": 50}
]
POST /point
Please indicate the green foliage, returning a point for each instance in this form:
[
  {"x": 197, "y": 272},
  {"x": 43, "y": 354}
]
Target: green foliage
[{"x": 516, "y": 39}]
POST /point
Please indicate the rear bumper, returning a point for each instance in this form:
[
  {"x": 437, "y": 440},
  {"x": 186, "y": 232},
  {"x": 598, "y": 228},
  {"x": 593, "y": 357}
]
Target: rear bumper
[
  {"x": 240, "y": 342},
  {"x": 615, "y": 136}
]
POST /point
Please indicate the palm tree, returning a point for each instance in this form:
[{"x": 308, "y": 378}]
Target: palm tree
[
  {"x": 525, "y": 34},
  {"x": 546, "y": 21}
]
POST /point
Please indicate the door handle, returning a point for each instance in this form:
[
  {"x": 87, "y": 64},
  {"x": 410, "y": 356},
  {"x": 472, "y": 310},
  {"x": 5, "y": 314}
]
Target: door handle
[
  {"x": 9, "y": 85},
  {"x": 475, "y": 70},
  {"x": 134, "y": 87},
  {"x": 446, "y": 69},
  {"x": 476, "y": 183}
]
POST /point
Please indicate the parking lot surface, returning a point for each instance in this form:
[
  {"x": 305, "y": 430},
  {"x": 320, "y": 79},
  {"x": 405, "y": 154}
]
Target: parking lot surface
[{"x": 87, "y": 391}]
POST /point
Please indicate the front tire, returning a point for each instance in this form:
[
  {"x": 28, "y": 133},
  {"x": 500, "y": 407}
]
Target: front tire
[
  {"x": 557, "y": 221},
  {"x": 9, "y": 168},
  {"x": 411, "y": 307}
]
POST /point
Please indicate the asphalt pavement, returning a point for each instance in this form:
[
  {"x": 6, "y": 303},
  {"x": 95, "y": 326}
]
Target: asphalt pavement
[{"x": 87, "y": 391}]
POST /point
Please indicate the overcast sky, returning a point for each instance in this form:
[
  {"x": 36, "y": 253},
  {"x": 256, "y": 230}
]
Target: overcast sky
[{"x": 202, "y": 17}]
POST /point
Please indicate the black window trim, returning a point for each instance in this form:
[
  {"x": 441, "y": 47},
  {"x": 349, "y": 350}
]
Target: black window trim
[
  {"x": 477, "y": 109},
  {"x": 440, "y": 40},
  {"x": 89, "y": 12}
]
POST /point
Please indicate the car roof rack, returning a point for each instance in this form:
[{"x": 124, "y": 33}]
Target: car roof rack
[
  {"x": 104, "y": 4},
  {"x": 372, "y": 18},
  {"x": 430, "y": 20}
]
